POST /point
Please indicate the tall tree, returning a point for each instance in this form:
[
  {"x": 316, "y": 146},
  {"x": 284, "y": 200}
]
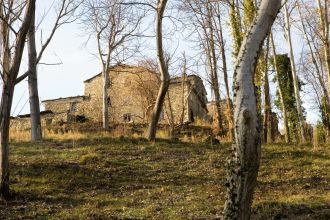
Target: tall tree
[
  {"x": 244, "y": 163},
  {"x": 36, "y": 133},
  {"x": 249, "y": 8},
  {"x": 280, "y": 92},
  {"x": 10, "y": 62},
  {"x": 163, "y": 69},
  {"x": 286, "y": 82},
  {"x": 235, "y": 23},
  {"x": 317, "y": 72},
  {"x": 294, "y": 76},
  {"x": 324, "y": 24},
  {"x": 267, "y": 123},
  {"x": 206, "y": 21},
  {"x": 64, "y": 16},
  {"x": 113, "y": 24},
  {"x": 245, "y": 160},
  {"x": 220, "y": 38},
  {"x": 212, "y": 60}
]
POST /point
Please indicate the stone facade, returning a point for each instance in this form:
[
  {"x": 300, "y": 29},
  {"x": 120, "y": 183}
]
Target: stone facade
[
  {"x": 186, "y": 100},
  {"x": 23, "y": 122},
  {"x": 132, "y": 94}
]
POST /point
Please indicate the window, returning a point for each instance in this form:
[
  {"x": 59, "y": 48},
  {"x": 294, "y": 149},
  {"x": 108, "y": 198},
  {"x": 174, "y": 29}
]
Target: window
[
  {"x": 73, "y": 107},
  {"x": 127, "y": 117},
  {"x": 109, "y": 101}
]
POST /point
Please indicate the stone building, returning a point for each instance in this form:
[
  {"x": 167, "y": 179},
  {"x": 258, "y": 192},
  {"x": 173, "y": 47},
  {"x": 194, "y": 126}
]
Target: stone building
[
  {"x": 132, "y": 94},
  {"x": 186, "y": 100}
]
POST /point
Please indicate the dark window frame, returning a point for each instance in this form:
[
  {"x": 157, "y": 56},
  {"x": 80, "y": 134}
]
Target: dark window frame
[
  {"x": 127, "y": 117},
  {"x": 73, "y": 107}
]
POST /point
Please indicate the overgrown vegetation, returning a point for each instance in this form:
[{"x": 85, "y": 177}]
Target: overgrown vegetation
[{"x": 86, "y": 177}]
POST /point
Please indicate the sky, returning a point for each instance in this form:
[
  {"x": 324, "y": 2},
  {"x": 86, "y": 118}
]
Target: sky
[{"x": 78, "y": 61}]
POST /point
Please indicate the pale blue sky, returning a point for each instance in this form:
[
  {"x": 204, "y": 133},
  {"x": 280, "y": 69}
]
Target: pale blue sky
[{"x": 68, "y": 47}]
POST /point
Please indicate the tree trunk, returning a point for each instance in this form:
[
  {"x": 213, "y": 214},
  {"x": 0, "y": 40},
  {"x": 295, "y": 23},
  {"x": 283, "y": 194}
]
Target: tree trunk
[
  {"x": 170, "y": 116},
  {"x": 244, "y": 164},
  {"x": 6, "y": 101},
  {"x": 324, "y": 23},
  {"x": 105, "y": 117},
  {"x": 183, "y": 85},
  {"x": 214, "y": 68},
  {"x": 163, "y": 69},
  {"x": 225, "y": 78},
  {"x": 36, "y": 133},
  {"x": 214, "y": 85},
  {"x": 295, "y": 77},
  {"x": 267, "y": 130},
  {"x": 284, "y": 109},
  {"x": 317, "y": 69},
  {"x": 10, "y": 68},
  {"x": 235, "y": 22}
]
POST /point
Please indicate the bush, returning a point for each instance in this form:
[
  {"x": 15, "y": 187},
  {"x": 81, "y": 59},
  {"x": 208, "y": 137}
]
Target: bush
[{"x": 319, "y": 136}]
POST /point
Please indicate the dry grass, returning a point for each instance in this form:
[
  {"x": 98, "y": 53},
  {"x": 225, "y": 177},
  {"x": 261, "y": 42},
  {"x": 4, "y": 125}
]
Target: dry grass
[
  {"x": 126, "y": 131},
  {"x": 97, "y": 177}
]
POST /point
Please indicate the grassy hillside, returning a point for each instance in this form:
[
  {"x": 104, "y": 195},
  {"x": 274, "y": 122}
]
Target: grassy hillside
[{"x": 103, "y": 178}]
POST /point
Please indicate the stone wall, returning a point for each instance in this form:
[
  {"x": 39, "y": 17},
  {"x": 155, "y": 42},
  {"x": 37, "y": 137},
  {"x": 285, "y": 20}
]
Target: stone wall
[
  {"x": 65, "y": 109},
  {"x": 22, "y": 124},
  {"x": 198, "y": 100},
  {"x": 132, "y": 95},
  {"x": 192, "y": 104},
  {"x": 132, "y": 92}
]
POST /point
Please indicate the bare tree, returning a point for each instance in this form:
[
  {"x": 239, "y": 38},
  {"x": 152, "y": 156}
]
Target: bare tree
[
  {"x": 244, "y": 163},
  {"x": 10, "y": 60},
  {"x": 267, "y": 123},
  {"x": 203, "y": 17},
  {"x": 64, "y": 16},
  {"x": 283, "y": 104},
  {"x": 317, "y": 73},
  {"x": 163, "y": 69},
  {"x": 113, "y": 24},
  {"x": 294, "y": 76},
  {"x": 324, "y": 24},
  {"x": 225, "y": 71},
  {"x": 36, "y": 133}
]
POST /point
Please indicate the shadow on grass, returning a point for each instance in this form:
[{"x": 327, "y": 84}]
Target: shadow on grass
[
  {"x": 115, "y": 169},
  {"x": 279, "y": 211},
  {"x": 126, "y": 175}
]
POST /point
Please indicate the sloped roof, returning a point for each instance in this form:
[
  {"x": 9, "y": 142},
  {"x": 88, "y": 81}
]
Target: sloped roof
[
  {"x": 112, "y": 67},
  {"x": 66, "y": 99},
  {"x": 29, "y": 115},
  {"x": 189, "y": 77}
]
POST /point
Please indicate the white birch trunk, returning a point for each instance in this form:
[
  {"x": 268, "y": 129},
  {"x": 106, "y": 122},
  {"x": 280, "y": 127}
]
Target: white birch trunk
[{"x": 244, "y": 164}]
